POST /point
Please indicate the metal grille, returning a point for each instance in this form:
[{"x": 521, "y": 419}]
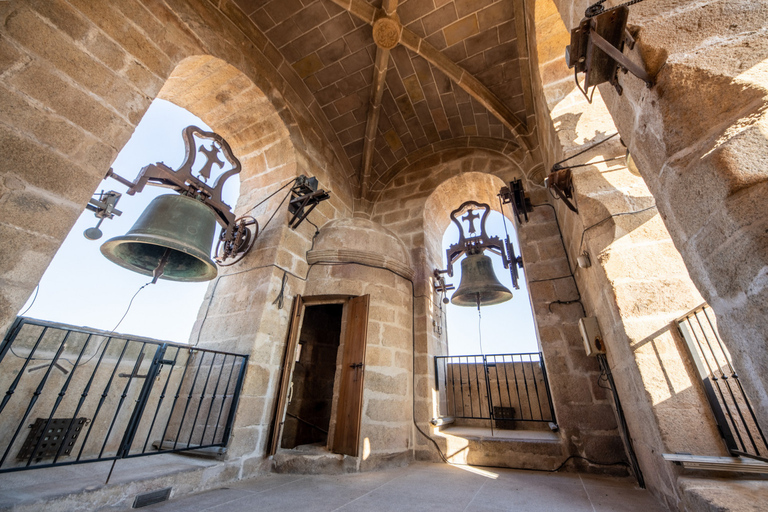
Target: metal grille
[
  {"x": 107, "y": 396},
  {"x": 730, "y": 404},
  {"x": 505, "y": 388}
]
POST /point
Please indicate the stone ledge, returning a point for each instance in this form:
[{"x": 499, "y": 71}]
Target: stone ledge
[{"x": 363, "y": 257}]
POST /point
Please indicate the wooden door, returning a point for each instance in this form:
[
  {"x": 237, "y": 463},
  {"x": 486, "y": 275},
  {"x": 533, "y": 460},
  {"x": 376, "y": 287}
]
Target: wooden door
[
  {"x": 346, "y": 438},
  {"x": 287, "y": 374}
]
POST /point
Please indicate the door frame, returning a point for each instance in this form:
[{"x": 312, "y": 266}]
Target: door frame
[{"x": 300, "y": 303}]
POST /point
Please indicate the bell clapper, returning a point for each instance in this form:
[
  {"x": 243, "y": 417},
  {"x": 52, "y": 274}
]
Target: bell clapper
[{"x": 160, "y": 266}]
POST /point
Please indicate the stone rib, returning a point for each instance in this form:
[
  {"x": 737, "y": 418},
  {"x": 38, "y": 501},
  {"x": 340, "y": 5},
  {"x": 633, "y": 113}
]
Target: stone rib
[{"x": 456, "y": 73}]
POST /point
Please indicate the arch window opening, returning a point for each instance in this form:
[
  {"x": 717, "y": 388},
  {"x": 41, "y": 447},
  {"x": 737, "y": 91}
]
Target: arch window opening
[
  {"x": 82, "y": 287},
  {"x": 493, "y": 373},
  {"x": 503, "y": 328}
]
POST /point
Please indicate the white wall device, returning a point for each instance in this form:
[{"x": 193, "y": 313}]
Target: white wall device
[{"x": 590, "y": 333}]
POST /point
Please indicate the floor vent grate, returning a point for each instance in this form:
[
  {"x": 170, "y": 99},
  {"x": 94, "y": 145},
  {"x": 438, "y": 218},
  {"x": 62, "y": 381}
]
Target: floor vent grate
[{"x": 150, "y": 498}]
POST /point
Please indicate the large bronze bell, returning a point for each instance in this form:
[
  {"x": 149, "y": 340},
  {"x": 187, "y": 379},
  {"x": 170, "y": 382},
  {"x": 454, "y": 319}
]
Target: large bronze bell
[
  {"x": 174, "y": 234},
  {"x": 479, "y": 285}
]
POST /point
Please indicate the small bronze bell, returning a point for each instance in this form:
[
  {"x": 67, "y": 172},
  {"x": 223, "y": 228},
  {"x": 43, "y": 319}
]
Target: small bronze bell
[
  {"x": 479, "y": 285},
  {"x": 171, "y": 240}
]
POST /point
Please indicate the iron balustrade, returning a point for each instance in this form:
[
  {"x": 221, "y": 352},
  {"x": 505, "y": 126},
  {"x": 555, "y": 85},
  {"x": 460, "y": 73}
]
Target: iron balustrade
[
  {"x": 503, "y": 388},
  {"x": 733, "y": 412},
  {"x": 75, "y": 395}
]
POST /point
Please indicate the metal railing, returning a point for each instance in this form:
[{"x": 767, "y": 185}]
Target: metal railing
[
  {"x": 76, "y": 395},
  {"x": 732, "y": 409},
  {"x": 503, "y": 388}
]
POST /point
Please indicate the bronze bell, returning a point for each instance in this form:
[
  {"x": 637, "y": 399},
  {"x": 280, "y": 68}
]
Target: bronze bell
[
  {"x": 479, "y": 285},
  {"x": 172, "y": 238}
]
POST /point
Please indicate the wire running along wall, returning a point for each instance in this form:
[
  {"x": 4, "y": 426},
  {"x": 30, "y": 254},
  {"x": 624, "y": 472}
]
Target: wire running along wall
[{"x": 74, "y": 395}]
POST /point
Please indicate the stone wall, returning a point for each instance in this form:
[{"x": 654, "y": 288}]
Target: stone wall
[
  {"x": 698, "y": 138},
  {"x": 639, "y": 283}
]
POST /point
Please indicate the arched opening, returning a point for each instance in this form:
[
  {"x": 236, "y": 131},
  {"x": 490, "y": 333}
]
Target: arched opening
[
  {"x": 81, "y": 287},
  {"x": 499, "y": 329},
  {"x": 228, "y": 103}
]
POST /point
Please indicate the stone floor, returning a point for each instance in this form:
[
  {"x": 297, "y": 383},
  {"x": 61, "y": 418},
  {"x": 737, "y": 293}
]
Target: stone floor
[{"x": 424, "y": 486}]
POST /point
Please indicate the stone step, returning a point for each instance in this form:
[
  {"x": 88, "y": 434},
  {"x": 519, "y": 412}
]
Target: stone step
[
  {"x": 312, "y": 460},
  {"x": 526, "y": 449}
]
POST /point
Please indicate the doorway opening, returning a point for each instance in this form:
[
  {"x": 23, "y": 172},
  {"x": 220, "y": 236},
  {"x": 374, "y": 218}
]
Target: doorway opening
[
  {"x": 320, "y": 400},
  {"x": 310, "y": 394}
]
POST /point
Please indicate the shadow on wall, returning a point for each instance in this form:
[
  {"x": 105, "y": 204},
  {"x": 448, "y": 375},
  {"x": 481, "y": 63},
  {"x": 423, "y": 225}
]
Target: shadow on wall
[{"x": 610, "y": 199}]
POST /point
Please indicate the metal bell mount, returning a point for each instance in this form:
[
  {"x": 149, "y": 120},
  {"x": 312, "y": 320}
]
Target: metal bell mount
[{"x": 479, "y": 285}]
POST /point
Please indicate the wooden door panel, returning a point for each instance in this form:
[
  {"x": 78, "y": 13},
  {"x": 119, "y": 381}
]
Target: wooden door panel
[
  {"x": 287, "y": 374},
  {"x": 346, "y": 437}
]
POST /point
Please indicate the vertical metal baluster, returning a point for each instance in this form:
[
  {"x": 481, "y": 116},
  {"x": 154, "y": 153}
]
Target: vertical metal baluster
[
  {"x": 517, "y": 387},
  {"x": 736, "y": 378},
  {"x": 525, "y": 382},
  {"x": 498, "y": 380},
  {"x": 506, "y": 381},
  {"x": 546, "y": 388},
  {"x": 453, "y": 383},
  {"x": 727, "y": 383},
  {"x": 235, "y": 399},
  {"x": 461, "y": 388},
  {"x": 487, "y": 391},
  {"x": 477, "y": 381},
  {"x": 12, "y": 388},
  {"x": 34, "y": 398},
  {"x": 11, "y": 335},
  {"x": 134, "y": 371},
  {"x": 202, "y": 397},
  {"x": 160, "y": 402},
  {"x": 104, "y": 395},
  {"x": 536, "y": 388},
  {"x": 60, "y": 397},
  {"x": 213, "y": 399},
  {"x": 176, "y": 397},
  {"x": 717, "y": 383},
  {"x": 189, "y": 399},
  {"x": 226, "y": 392},
  {"x": 469, "y": 386},
  {"x": 437, "y": 385},
  {"x": 83, "y": 396}
]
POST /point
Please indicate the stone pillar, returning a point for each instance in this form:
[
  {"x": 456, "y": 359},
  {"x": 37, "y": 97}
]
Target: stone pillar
[{"x": 354, "y": 257}]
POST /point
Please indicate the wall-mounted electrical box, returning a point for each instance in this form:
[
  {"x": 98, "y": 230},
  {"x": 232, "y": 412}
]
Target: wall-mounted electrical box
[{"x": 590, "y": 333}]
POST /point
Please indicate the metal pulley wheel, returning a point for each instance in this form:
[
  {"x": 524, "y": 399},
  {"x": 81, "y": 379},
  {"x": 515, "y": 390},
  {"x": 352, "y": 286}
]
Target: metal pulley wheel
[{"x": 244, "y": 234}]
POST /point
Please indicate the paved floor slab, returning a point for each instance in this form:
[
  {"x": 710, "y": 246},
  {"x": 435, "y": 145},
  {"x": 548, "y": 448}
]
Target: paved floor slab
[{"x": 424, "y": 486}]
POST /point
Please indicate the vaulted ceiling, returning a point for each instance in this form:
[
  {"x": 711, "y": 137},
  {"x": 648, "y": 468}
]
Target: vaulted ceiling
[{"x": 393, "y": 78}]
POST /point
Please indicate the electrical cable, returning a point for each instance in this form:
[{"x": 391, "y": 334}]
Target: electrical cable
[
  {"x": 570, "y": 267},
  {"x": 291, "y": 182},
  {"x": 281, "y": 296},
  {"x": 264, "y": 228},
  {"x": 605, "y": 370},
  {"x": 598, "y": 162},
  {"x": 584, "y": 150},
  {"x": 581, "y": 243},
  {"x": 37, "y": 290}
]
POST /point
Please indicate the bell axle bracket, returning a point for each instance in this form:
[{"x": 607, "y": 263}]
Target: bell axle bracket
[{"x": 480, "y": 242}]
